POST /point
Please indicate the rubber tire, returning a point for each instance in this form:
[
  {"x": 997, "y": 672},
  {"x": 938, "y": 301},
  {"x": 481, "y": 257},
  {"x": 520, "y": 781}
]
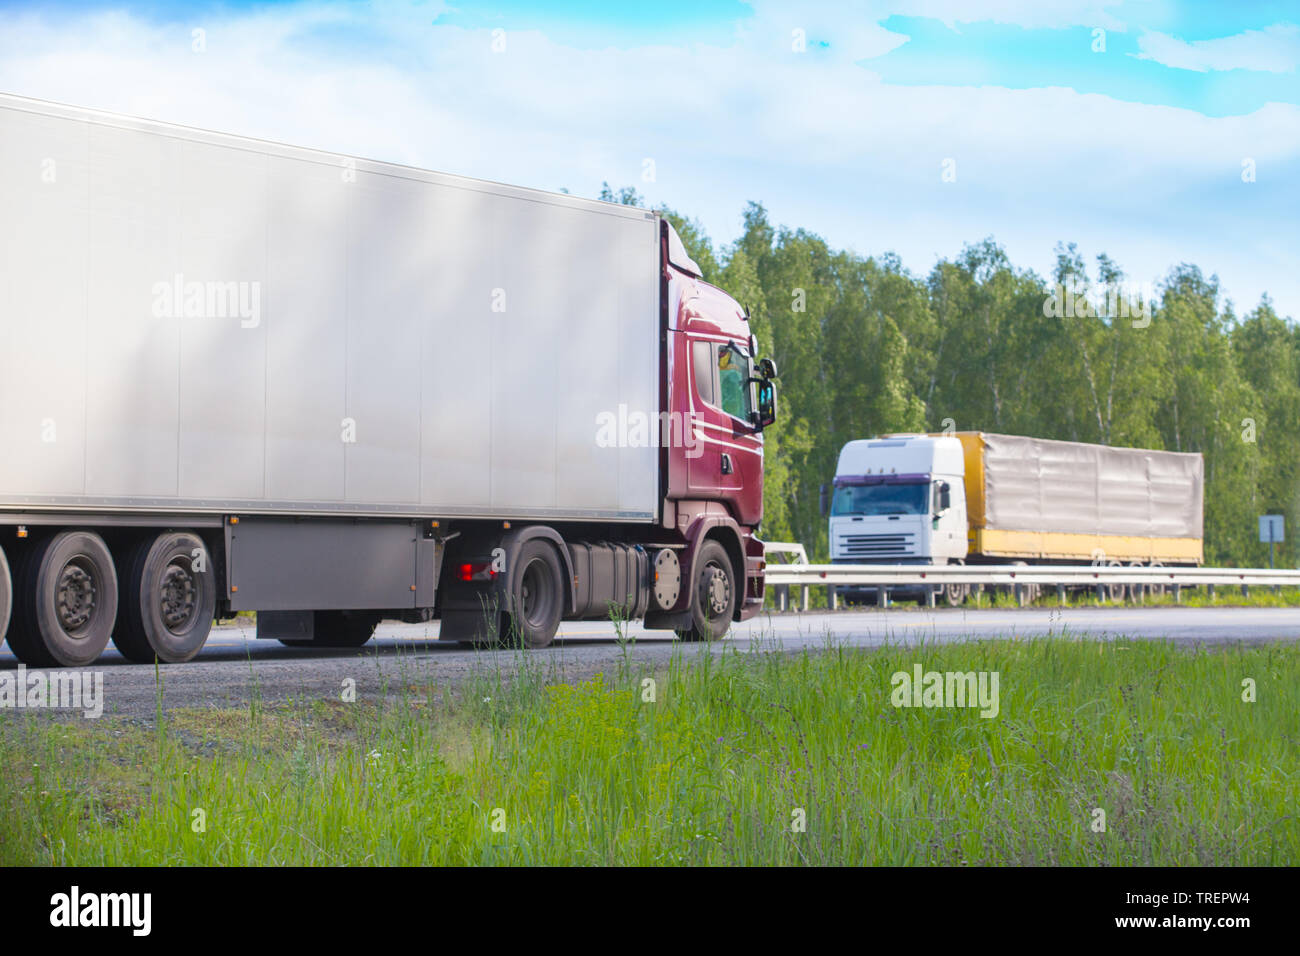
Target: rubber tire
[
  {"x": 141, "y": 634},
  {"x": 1030, "y": 591},
  {"x": 536, "y": 630},
  {"x": 1156, "y": 591},
  {"x": 6, "y": 594},
  {"x": 711, "y": 559},
  {"x": 339, "y": 629},
  {"x": 954, "y": 595},
  {"x": 1114, "y": 593},
  {"x": 36, "y": 636}
]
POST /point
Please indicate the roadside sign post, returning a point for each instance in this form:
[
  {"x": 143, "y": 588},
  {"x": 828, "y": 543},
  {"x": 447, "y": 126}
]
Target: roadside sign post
[{"x": 1271, "y": 530}]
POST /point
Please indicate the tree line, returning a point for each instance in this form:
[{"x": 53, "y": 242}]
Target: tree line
[{"x": 864, "y": 346}]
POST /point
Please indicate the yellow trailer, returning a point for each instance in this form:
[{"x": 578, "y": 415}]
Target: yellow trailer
[{"x": 1037, "y": 499}]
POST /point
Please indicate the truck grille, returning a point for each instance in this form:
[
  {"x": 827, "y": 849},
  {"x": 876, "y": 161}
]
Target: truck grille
[{"x": 868, "y": 546}]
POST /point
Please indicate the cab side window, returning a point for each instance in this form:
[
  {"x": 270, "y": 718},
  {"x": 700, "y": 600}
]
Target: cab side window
[
  {"x": 702, "y": 362},
  {"x": 733, "y": 377}
]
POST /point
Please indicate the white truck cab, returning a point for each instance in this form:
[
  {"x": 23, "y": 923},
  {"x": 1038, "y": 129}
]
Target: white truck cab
[{"x": 898, "y": 499}]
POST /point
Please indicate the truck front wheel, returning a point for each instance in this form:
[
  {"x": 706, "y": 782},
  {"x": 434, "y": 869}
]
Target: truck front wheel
[
  {"x": 536, "y": 597},
  {"x": 169, "y": 595},
  {"x": 714, "y": 601},
  {"x": 66, "y": 590},
  {"x": 956, "y": 592}
]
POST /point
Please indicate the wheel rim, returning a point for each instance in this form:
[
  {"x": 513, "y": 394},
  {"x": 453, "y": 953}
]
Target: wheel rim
[
  {"x": 715, "y": 591},
  {"x": 76, "y": 596},
  {"x": 178, "y": 601},
  {"x": 536, "y": 596},
  {"x": 955, "y": 592}
]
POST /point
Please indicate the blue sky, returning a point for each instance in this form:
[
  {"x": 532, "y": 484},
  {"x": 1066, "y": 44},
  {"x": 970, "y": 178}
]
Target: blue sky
[{"x": 1123, "y": 127}]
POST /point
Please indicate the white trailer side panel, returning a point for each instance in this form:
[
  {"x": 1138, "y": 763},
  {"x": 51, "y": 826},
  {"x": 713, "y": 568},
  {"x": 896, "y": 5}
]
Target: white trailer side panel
[
  {"x": 350, "y": 337},
  {"x": 1037, "y": 484}
]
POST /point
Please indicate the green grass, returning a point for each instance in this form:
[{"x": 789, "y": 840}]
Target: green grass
[
  {"x": 713, "y": 771},
  {"x": 1190, "y": 597}
]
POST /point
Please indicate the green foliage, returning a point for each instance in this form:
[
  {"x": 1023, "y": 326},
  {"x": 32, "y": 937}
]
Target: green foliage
[{"x": 865, "y": 347}]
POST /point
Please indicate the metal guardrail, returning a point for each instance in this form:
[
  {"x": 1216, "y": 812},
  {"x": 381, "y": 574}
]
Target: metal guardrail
[
  {"x": 798, "y": 557},
  {"x": 1022, "y": 580},
  {"x": 792, "y": 549},
  {"x": 1011, "y": 574}
]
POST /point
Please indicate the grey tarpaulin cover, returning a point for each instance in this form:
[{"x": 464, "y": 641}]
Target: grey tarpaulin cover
[{"x": 1034, "y": 484}]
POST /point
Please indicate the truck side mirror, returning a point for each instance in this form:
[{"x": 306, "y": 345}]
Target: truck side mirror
[
  {"x": 767, "y": 368},
  {"x": 945, "y": 497},
  {"x": 766, "y": 413},
  {"x": 821, "y": 500}
]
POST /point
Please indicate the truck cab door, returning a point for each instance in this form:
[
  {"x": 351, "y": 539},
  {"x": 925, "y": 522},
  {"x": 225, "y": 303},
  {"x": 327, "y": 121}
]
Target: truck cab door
[
  {"x": 726, "y": 454},
  {"x": 948, "y": 526}
]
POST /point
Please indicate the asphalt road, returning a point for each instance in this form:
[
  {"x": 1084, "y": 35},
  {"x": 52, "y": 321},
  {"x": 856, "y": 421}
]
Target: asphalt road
[{"x": 234, "y": 667}]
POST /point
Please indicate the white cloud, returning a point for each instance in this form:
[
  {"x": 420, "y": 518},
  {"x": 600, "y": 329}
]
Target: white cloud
[
  {"x": 823, "y": 142},
  {"x": 851, "y": 30},
  {"x": 1274, "y": 49}
]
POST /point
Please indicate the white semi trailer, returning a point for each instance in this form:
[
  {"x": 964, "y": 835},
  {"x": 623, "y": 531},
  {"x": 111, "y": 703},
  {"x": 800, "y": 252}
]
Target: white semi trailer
[{"x": 236, "y": 375}]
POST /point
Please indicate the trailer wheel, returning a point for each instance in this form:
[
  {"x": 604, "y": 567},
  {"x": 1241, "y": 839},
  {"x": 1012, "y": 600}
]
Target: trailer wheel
[
  {"x": 715, "y": 594},
  {"x": 1154, "y": 590},
  {"x": 1028, "y": 592},
  {"x": 6, "y": 594},
  {"x": 66, "y": 601},
  {"x": 339, "y": 629},
  {"x": 536, "y": 599},
  {"x": 169, "y": 596},
  {"x": 1112, "y": 593}
]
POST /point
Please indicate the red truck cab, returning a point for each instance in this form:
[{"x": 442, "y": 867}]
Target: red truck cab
[{"x": 720, "y": 397}]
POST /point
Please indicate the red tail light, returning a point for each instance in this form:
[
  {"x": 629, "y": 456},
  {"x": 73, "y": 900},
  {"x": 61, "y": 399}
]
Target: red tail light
[{"x": 477, "y": 571}]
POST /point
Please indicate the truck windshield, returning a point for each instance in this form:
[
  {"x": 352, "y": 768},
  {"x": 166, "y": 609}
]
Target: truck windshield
[{"x": 909, "y": 499}]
